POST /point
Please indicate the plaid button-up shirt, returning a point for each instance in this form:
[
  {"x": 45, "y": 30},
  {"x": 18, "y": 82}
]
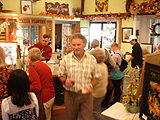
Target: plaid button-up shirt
[{"x": 82, "y": 71}]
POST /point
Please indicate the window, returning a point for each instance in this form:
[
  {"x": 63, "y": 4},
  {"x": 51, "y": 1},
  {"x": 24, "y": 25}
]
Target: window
[
  {"x": 105, "y": 32},
  {"x": 31, "y": 34}
]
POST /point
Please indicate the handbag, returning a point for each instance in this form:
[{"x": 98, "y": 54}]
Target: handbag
[
  {"x": 59, "y": 98},
  {"x": 42, "y": 115},
  {"x": 108, "y": 63}
]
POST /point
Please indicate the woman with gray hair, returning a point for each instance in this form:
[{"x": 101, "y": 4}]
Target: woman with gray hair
[
  {"x": 95, "y": 44},
  {"x": 40, "y": 76},
  {"x": 158, "y": 48},
  {"x": 99, "y": 89},
  {"x": 4, "y": 75}
]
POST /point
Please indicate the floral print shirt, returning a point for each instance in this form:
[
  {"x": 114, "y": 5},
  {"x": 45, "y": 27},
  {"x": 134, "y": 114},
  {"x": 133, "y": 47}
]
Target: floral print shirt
[{"x": 4, "y": 75}]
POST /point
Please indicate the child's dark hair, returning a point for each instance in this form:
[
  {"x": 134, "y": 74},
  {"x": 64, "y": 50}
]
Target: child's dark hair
[{"x": 18, "y": 88}]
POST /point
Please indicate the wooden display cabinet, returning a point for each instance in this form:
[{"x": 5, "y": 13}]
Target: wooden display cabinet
[
  {"x": 17, "y": 20},
  {"x": 3, "y": 34}
]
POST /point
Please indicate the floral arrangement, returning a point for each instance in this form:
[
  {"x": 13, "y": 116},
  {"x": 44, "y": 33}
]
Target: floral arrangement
[
  {"x": 154, "y": 97},
  {"x": 21, "y": 60},
  {"x": 132, "y": 8},
  {"x": 57, "y": 15},
  {"x": 3, "y": 26},
  {"x": 144, "y": 7},
  {"x": 127, "y": 71},
  {"x": 22, "y": 63},
  {"x": 12, "y": 25},
  {"x": 107, "y": 16},
  {"x": 130, "y": 100}
]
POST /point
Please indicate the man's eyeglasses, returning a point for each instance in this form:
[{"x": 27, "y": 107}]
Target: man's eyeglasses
[{"x": 45, "y": 40}]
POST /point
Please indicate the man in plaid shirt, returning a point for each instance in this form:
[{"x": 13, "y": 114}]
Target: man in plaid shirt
[{"x": 79, "y": 73}]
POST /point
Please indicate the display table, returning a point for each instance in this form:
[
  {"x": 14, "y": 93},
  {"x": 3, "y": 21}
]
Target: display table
[
  {"x": 57, "y": 110},
  {"x": 118, "y": 112}
]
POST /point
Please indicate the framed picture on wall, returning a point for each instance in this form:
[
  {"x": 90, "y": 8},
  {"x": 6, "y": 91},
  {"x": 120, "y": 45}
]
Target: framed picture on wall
[
  {"x": 84, "y": 31},
  {"x": 126, "y": 32},
  {"x": 146, "y": 49},
  {"x": 26, "y": 7}
]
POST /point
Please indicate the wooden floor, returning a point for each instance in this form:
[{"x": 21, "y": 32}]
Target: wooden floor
[
  {"x": 58, "y": 110},
  {"x": 59, "y": 113}
]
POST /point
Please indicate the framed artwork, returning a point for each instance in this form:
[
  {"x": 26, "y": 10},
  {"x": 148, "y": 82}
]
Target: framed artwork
[
  {"x": 73, "y": 9},
  {"x": 26, "y": 7},
  {"x": 126, "y": 32},
  {"x": 101, "y": 5},
  {"x": 84, "y": 31},
  {"x": 10, "y": 49},
  {"x": 146, "y": 49},
  {"x": 151, "y": 84}
]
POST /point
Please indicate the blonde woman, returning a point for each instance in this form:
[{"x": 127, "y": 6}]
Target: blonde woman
[
  {"x": 41, "y": 80},
  {"x": 158, "y": 48},
  {"x": 4, "y": 75},
  {"x": 99, "y": 89},
  {"x": 116, "y": 75}
]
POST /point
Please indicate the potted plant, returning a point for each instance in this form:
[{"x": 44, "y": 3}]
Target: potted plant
[{"x": 130, "y": 101}]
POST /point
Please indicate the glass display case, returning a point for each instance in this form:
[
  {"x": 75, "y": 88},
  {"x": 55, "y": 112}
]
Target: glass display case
[
  {"x": 31, "y": 34},
  {"x": 150, "y": 104},
  {"x": 10, "y": 49}
]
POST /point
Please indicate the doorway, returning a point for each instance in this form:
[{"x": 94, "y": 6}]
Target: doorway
[{"x": 58, "y": 36}]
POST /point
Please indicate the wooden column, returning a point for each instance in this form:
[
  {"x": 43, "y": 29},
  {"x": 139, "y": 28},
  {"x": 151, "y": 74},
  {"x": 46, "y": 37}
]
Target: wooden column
[
  {"x": 120, "y": 31},
  {"x": 40, "y": 34},
  {"x": 7, "y": 31},
  {"x": 82, "y": 6},
  {"x": 78, "y": 26},
  {"x": 53, "y": 34}
]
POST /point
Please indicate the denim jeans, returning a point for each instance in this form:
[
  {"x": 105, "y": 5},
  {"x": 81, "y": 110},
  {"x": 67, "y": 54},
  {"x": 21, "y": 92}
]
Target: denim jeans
[{"x": 97, "y": 108}]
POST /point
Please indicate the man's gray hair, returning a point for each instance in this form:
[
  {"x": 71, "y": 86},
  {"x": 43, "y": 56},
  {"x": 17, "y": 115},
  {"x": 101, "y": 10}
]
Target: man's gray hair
[
  {"x": 80, "y": 36},
  {"x": 99, "y": 54},
  {"x": 95, "y": 43}
]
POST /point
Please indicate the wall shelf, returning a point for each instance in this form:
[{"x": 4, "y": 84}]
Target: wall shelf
[{"x": 2, "y": 36}]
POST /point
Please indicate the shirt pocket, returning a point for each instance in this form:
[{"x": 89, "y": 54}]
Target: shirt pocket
[
  {"x": 71, "y": 70},
  {"x": 87, "y": 72}
]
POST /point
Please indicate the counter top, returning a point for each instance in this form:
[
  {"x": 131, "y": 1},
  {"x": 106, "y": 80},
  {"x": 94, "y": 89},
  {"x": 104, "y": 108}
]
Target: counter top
[{"x": 54, "y": 75}]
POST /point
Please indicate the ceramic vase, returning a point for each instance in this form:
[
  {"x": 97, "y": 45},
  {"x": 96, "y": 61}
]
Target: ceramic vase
[{"x": 132, "y": 109}]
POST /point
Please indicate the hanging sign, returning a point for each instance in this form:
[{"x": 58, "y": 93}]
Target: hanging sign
[
  {"x": 31, "y": 21},
  {"x": 57, "y": 8}
]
